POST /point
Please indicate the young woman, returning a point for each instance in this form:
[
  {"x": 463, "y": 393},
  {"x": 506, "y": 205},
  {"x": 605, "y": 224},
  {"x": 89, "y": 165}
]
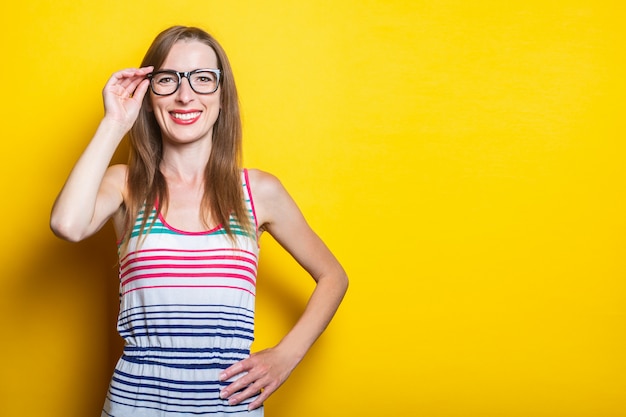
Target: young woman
[{"x": 188, "y": 220}]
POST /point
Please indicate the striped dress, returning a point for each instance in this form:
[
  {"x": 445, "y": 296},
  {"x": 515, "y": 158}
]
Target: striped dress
[{"x": 186, "y": 313}]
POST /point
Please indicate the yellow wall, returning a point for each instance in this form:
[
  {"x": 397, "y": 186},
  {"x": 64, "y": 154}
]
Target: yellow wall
[{"x": 466, "y": 161}]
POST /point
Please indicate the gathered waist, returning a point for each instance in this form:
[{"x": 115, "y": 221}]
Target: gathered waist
[{"x": 188, "y": 358}]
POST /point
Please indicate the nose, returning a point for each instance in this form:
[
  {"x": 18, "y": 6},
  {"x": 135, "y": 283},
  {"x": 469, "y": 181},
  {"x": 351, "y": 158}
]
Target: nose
[{"x": 185, "y": 93}]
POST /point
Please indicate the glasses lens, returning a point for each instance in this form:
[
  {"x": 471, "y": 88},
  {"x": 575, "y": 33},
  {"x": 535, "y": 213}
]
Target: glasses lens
[
  {"x": 164, "y": 82},
  {"x": 204, "y": 82}
]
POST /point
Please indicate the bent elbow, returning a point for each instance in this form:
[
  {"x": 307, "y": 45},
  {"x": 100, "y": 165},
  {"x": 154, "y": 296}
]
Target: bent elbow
[
  {"x": 341, "y": 281},
  {"x": 345, "y": 282},
  {"x": 65, "y": 231}
]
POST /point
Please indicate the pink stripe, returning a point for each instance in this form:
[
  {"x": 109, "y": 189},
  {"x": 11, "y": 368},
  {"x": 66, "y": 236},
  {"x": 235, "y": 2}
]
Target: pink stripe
[
  {"x": 188, "y": 258},
  {"x": 188, "y": 275},
  {"x": 256, "y": 221},
  {"x": 189, "y": 286},
  {"x": 194, "y": 266},
  {"x": 189, "y": 251}
]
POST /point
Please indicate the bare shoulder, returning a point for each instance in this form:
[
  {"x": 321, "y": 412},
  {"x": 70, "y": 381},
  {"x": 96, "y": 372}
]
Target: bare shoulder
[
  {"x": 279, "y": 215},
  {"x": 272, "y": 202},
  {"x": 263, "y": 184}
]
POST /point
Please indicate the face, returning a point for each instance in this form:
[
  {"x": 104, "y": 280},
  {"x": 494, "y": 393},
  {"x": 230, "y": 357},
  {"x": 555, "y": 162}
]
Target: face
[{"x": 187, "y": 116}]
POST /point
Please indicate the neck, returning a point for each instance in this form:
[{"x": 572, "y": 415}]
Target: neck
[{"x": 186, "y": 162}]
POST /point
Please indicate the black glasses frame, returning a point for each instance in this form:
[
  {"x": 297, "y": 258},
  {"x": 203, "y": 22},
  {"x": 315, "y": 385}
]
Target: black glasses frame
[{"x": 185, "y": 74}]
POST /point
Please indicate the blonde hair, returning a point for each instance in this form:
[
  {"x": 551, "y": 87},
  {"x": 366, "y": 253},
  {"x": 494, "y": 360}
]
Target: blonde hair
[{"x": 223, "y": 194}]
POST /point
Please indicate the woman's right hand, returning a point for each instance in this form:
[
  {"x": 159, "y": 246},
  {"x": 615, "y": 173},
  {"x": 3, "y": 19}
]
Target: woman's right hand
[
  {"x": 93, "y": 192},
  {"x": 123, "y": 95}
]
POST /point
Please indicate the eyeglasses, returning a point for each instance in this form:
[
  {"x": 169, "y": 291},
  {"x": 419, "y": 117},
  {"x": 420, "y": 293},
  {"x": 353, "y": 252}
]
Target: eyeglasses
[{"x": 202, "y": 81}]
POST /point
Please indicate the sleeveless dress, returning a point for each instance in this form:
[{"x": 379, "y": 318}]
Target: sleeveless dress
[{"x": 186, "y": 314}]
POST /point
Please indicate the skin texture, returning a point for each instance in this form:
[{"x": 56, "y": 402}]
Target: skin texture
[{"x": 95, "y": 193}]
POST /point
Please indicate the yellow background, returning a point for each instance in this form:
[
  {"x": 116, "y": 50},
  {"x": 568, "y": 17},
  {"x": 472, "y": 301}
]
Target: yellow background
[{"x": 465, "y": 160}]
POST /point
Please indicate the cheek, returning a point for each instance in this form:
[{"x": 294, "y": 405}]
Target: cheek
[
  {"x": 157, "y": 108},
  {"x": 159, "y": 115},
  {"x": 156, "y": 104}
]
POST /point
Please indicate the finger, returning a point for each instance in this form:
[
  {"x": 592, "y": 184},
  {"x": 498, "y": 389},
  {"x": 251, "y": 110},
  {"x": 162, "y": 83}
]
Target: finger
[
  {"x": 131, "y": 83},
  {"x": 128, "y": 89},
  {"x": 120, "y": 76},
  {"x": 141, "y": 74},
  {"x": 141, "y": 89},
  {"x": 265, "y": 393},
  {"x": 132, "y": 72},
  {"x": 133, "y": 87},
  {"x": 238, "y": 385},
  {"x": 127, "y": 76},
  {"x": 234, "y": 369},
  {"x": 250, "y": 391}
]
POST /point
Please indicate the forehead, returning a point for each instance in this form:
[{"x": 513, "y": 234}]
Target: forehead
[{"x": 187, "y": 55}]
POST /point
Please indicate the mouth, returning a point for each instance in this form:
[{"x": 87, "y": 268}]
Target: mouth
[{"x": 185, "y": 117}]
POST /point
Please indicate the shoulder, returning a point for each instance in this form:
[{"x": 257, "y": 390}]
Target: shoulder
[
  {"x": 263, "y": 184},
  {"x": 271, "y": 199}
]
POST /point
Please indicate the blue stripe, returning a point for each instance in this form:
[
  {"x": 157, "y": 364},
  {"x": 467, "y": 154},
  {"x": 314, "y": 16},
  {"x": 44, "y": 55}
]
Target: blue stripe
[
  {"x": 163, "y": 380},
  {"x": 156, "y": 315},
  {"x": 165, "y": 360},
  {"x": 173, "y": 355},
  {"x": 149, "y": 398},
  {"x": 220, "y": 410},
  {"x": 218, "y": 309},
  {"x": 182, "y": 334},
  {"x": 152, "y": 318},
  {"x": 189, "y": 327},
  {"x": 141, "y": 361},
  {"x": 215, "y": 392},
  {"x": 184, "y": 350}
]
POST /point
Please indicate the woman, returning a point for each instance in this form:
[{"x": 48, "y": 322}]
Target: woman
[{"x": 188, "y": 219}]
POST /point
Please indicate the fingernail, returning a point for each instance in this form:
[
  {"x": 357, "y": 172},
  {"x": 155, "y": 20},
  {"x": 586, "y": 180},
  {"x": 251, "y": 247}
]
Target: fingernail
[{"x": 222, "y": 377}]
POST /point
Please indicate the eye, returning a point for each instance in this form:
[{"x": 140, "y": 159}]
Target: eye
[
  {"x": 165, "y": 78},
  {"x": 204, "y": 77}
]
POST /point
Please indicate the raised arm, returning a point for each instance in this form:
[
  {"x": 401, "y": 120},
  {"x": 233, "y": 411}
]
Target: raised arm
[
  {"x": 93, "y": 192},
  {"x": 278, "y": 214}
]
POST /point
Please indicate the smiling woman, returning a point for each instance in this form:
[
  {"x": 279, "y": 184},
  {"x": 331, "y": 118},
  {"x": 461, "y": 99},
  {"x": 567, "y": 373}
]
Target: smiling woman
[
  {"x": 178, "y": 103},
  {"x": 188, "y": 219}
]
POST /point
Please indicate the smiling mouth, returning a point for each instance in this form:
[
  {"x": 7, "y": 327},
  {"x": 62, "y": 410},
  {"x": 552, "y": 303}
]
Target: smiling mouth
[{"x": 185, "y": 116}]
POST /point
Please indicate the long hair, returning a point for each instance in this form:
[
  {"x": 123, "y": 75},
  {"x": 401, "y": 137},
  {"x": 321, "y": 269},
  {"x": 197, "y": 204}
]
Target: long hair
[{"x": 223, "y": 194}]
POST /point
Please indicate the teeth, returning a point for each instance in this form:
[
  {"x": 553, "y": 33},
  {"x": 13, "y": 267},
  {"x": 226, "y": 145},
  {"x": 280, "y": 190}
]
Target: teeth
[{"x": 186, "y": 116}]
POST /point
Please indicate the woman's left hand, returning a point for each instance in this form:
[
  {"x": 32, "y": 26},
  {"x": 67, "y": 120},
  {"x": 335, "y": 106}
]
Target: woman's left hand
[{"x": 263, "y": 372}]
